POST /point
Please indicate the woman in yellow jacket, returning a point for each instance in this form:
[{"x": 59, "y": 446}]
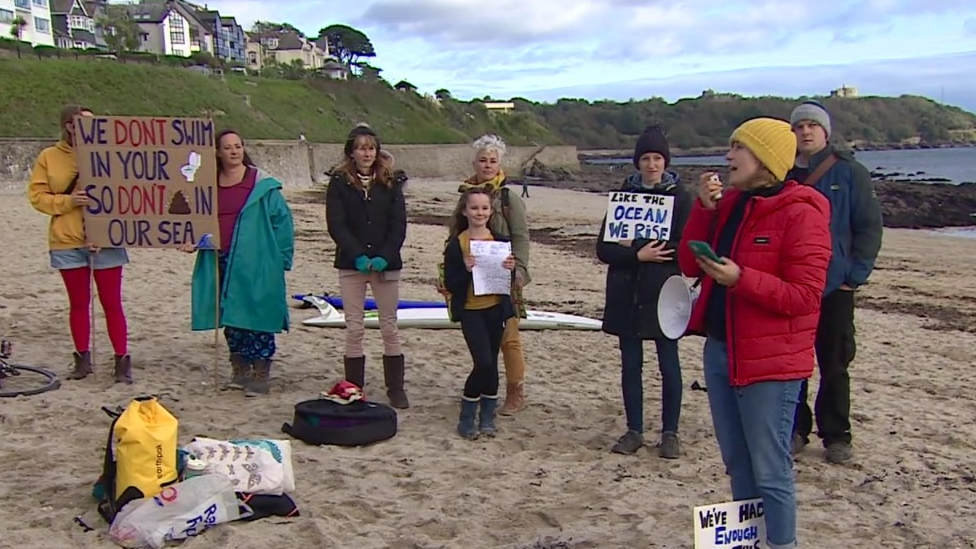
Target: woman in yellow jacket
[{"x": 53, "y": 191}]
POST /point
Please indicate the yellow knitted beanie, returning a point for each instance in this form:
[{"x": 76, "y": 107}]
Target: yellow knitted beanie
[{"x": 771, "y": 141}]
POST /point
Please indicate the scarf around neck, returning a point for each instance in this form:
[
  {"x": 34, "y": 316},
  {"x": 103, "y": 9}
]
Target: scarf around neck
[{"x": 492, "y": 184}]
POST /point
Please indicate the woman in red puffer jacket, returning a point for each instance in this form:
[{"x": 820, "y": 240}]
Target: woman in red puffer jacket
[{"x": 758, "y": 310}]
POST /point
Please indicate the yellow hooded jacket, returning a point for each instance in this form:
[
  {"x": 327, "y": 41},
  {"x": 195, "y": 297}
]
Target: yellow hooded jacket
[{"x": 53, "y": 172}]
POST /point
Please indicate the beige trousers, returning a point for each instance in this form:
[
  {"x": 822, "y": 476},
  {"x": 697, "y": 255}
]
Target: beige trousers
[
  {"x": 385, "y": 288},
  {"x": 512, "y": 352}
]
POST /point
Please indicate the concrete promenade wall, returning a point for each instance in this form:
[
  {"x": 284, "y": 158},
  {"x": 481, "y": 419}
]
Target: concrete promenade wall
[{"x": 302, "y": 165}]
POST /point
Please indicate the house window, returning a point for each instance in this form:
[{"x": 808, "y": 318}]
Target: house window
[
  {"x": 81, "y": 22},
  {"x": 42, "y": 25},
  {"x": 177, "y": 35},
  {"x": 40, "y": 3},
  {"x": 25, "y": 4},
  {"x": 6, "y": 16},
  {"x": 178, "y": 53}
]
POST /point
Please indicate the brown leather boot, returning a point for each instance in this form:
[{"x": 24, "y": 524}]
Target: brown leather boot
[
  {"x": 259, "y": 383},
  {"x": 355, "y": 370},
  {"x": 240, "y": 373},
  {"x": 123, "y": 369},
  {"x": 83, "y": 366},
  {"x": 393, "y": 371},
  {"x": 514, "y": 399}
]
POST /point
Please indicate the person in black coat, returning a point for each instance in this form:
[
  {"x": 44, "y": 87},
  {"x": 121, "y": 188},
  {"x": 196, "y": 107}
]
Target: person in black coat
[
  {"x": 366, "y": 216},
  {"x": 637, "y": 270}
]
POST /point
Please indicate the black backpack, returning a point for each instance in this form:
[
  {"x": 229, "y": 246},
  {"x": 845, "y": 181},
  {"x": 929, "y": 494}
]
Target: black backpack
[{"x": 322, "y": 421}]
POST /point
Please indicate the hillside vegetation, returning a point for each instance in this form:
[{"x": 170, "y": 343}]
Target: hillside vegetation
[
  {"x": 32, "y": 91},
  {"x": 708, "y": 120}
]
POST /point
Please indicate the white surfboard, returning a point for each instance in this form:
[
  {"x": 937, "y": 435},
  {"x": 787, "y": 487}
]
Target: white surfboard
[{"x": 437, "y": 319}]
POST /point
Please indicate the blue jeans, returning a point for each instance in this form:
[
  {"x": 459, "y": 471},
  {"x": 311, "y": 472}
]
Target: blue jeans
[
  {"x": 632, "y": 382},
  {"x": 754, "y": 429}
]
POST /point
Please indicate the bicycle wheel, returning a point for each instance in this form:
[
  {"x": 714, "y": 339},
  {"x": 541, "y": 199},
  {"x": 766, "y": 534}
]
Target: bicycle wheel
[{"x": 22, "y": 380}]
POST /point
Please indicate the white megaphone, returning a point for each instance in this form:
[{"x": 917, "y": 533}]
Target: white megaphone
[{"x": 674, "y": 305}]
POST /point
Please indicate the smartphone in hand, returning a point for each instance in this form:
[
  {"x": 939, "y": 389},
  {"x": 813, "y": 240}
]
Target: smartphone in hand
[{"x": 703, "y": 249}]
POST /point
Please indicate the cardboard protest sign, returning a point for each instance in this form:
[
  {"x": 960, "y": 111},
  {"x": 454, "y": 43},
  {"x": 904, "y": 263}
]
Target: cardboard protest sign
[
  {"x": 736, "y": 524},
  {"x": 151, "y": 181},
  {"x": 633, "y": 216}
]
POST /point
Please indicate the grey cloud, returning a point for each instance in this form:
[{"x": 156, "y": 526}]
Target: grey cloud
[{"x": 969, "y": 27}]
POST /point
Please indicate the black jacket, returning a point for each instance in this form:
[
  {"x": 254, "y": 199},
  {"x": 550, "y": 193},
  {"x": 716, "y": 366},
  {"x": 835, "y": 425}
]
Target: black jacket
[
  {"x": 371, "y": 223},
  {"x": 633, "y": 286},
  {"x": 457, "y": 279}
]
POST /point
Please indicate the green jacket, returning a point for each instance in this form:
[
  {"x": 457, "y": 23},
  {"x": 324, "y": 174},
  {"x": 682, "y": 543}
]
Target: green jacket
[
  {"x": 509, "y": 220},
  {"x": 253, "y": 296}
]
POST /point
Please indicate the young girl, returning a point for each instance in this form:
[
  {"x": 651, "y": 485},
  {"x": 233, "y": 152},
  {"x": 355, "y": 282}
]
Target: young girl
[
  {"x": 366, "y": 215},
  {"x": 482, "y": 317},
  {"x": 53, "y": 190},
  {"x": 257, "y": 245}
]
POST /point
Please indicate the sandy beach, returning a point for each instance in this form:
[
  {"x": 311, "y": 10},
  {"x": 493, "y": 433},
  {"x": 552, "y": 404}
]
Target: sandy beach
[{"x": 548, "y": 480}]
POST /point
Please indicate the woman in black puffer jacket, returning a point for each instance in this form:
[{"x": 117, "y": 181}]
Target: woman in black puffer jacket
[{"x": 637, "y": 270}]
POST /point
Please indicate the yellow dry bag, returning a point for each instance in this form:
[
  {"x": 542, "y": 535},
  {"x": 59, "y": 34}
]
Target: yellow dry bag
[{"x": 145, "y": 448}]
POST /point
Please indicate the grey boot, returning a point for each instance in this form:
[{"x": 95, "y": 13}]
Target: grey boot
[
  {"x": 240, "y": 373},
  {"x": 123, "y": 369},
  {"x": 466, "y": 421},
  {"x": 258, "y": 384},
  {"x": 393, "y": 371},
  {"x": 83, "y": 366},
  {"x": 355, "y": 370},
  {"x": 486, "y": 419}
]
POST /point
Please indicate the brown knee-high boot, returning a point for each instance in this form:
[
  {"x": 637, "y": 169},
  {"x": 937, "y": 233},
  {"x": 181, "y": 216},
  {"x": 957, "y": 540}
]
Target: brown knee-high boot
[{"x": 393, "y": 372}]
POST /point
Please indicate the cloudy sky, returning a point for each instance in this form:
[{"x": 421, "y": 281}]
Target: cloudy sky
[{"x": 622, "y": 49}]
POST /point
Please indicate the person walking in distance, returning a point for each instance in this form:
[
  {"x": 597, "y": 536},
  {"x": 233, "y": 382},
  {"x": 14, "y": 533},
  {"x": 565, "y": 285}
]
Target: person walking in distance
[
  {"x": 856, "y": 232},
  {"x": 53, "y": 190}
]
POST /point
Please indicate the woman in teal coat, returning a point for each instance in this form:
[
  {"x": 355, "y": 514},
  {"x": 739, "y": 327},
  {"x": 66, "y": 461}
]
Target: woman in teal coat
[{"x": 257, "y": 244}]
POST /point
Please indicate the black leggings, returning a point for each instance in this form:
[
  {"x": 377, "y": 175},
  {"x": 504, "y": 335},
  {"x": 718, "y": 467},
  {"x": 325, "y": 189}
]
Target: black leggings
[{"x": 483, "y": 331}]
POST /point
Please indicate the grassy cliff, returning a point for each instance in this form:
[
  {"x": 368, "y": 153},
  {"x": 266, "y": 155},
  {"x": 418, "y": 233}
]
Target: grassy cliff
[{"x": 33, "y": 91}]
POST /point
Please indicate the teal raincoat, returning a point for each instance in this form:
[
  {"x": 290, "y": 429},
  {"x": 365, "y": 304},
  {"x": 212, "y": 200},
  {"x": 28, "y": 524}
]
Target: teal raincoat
[{"x": 253, "y": 296}]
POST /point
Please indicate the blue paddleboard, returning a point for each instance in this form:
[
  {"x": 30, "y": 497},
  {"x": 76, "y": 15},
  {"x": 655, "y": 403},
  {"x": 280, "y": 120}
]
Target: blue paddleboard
[{"x": 370, "y": 305}]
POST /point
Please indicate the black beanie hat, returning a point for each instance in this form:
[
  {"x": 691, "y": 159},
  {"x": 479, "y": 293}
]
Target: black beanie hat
[
  {"x": 652, "y": 140},
  {"x": 361, "y": 129}
]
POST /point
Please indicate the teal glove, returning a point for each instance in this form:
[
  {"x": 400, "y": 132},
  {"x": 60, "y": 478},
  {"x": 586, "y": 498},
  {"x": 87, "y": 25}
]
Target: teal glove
[
  {"x": 379, "y": 264},
  {"x": 362, "y": 264}
]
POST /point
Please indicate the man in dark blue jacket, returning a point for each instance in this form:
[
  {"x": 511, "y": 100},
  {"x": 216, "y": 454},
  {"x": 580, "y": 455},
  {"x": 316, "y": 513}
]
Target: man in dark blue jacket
[{"x": 856, "y": 229}]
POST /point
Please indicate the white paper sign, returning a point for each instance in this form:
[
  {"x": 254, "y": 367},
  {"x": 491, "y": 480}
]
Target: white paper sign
[
  {"x": 737, "y": 524},
  {"x": 490, "y": 277},
  {"x": 633, "y": 216}
]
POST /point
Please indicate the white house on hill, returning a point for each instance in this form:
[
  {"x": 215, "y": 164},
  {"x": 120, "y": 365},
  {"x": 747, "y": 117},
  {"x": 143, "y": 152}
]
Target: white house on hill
[{"x": 36, "y": 13}]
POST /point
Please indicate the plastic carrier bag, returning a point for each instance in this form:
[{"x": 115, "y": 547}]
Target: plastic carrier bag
[{"x": 179, "y": 511}]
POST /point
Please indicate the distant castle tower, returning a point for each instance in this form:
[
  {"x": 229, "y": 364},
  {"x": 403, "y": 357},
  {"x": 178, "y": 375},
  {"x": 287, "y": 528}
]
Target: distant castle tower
[{"x": 845, "y": 91}]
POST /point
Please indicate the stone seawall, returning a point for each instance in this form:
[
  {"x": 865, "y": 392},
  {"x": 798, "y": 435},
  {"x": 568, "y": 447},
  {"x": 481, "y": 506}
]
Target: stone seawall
[{"x": 301, "y": 165}]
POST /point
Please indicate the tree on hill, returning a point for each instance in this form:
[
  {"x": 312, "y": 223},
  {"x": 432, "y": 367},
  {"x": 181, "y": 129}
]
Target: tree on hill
[
  {"x": 16, "y": 30},
  {"x": 349, "y": 45},
  {"x": 121, "y": 31},
  {"x": 262, "y": 29}
]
